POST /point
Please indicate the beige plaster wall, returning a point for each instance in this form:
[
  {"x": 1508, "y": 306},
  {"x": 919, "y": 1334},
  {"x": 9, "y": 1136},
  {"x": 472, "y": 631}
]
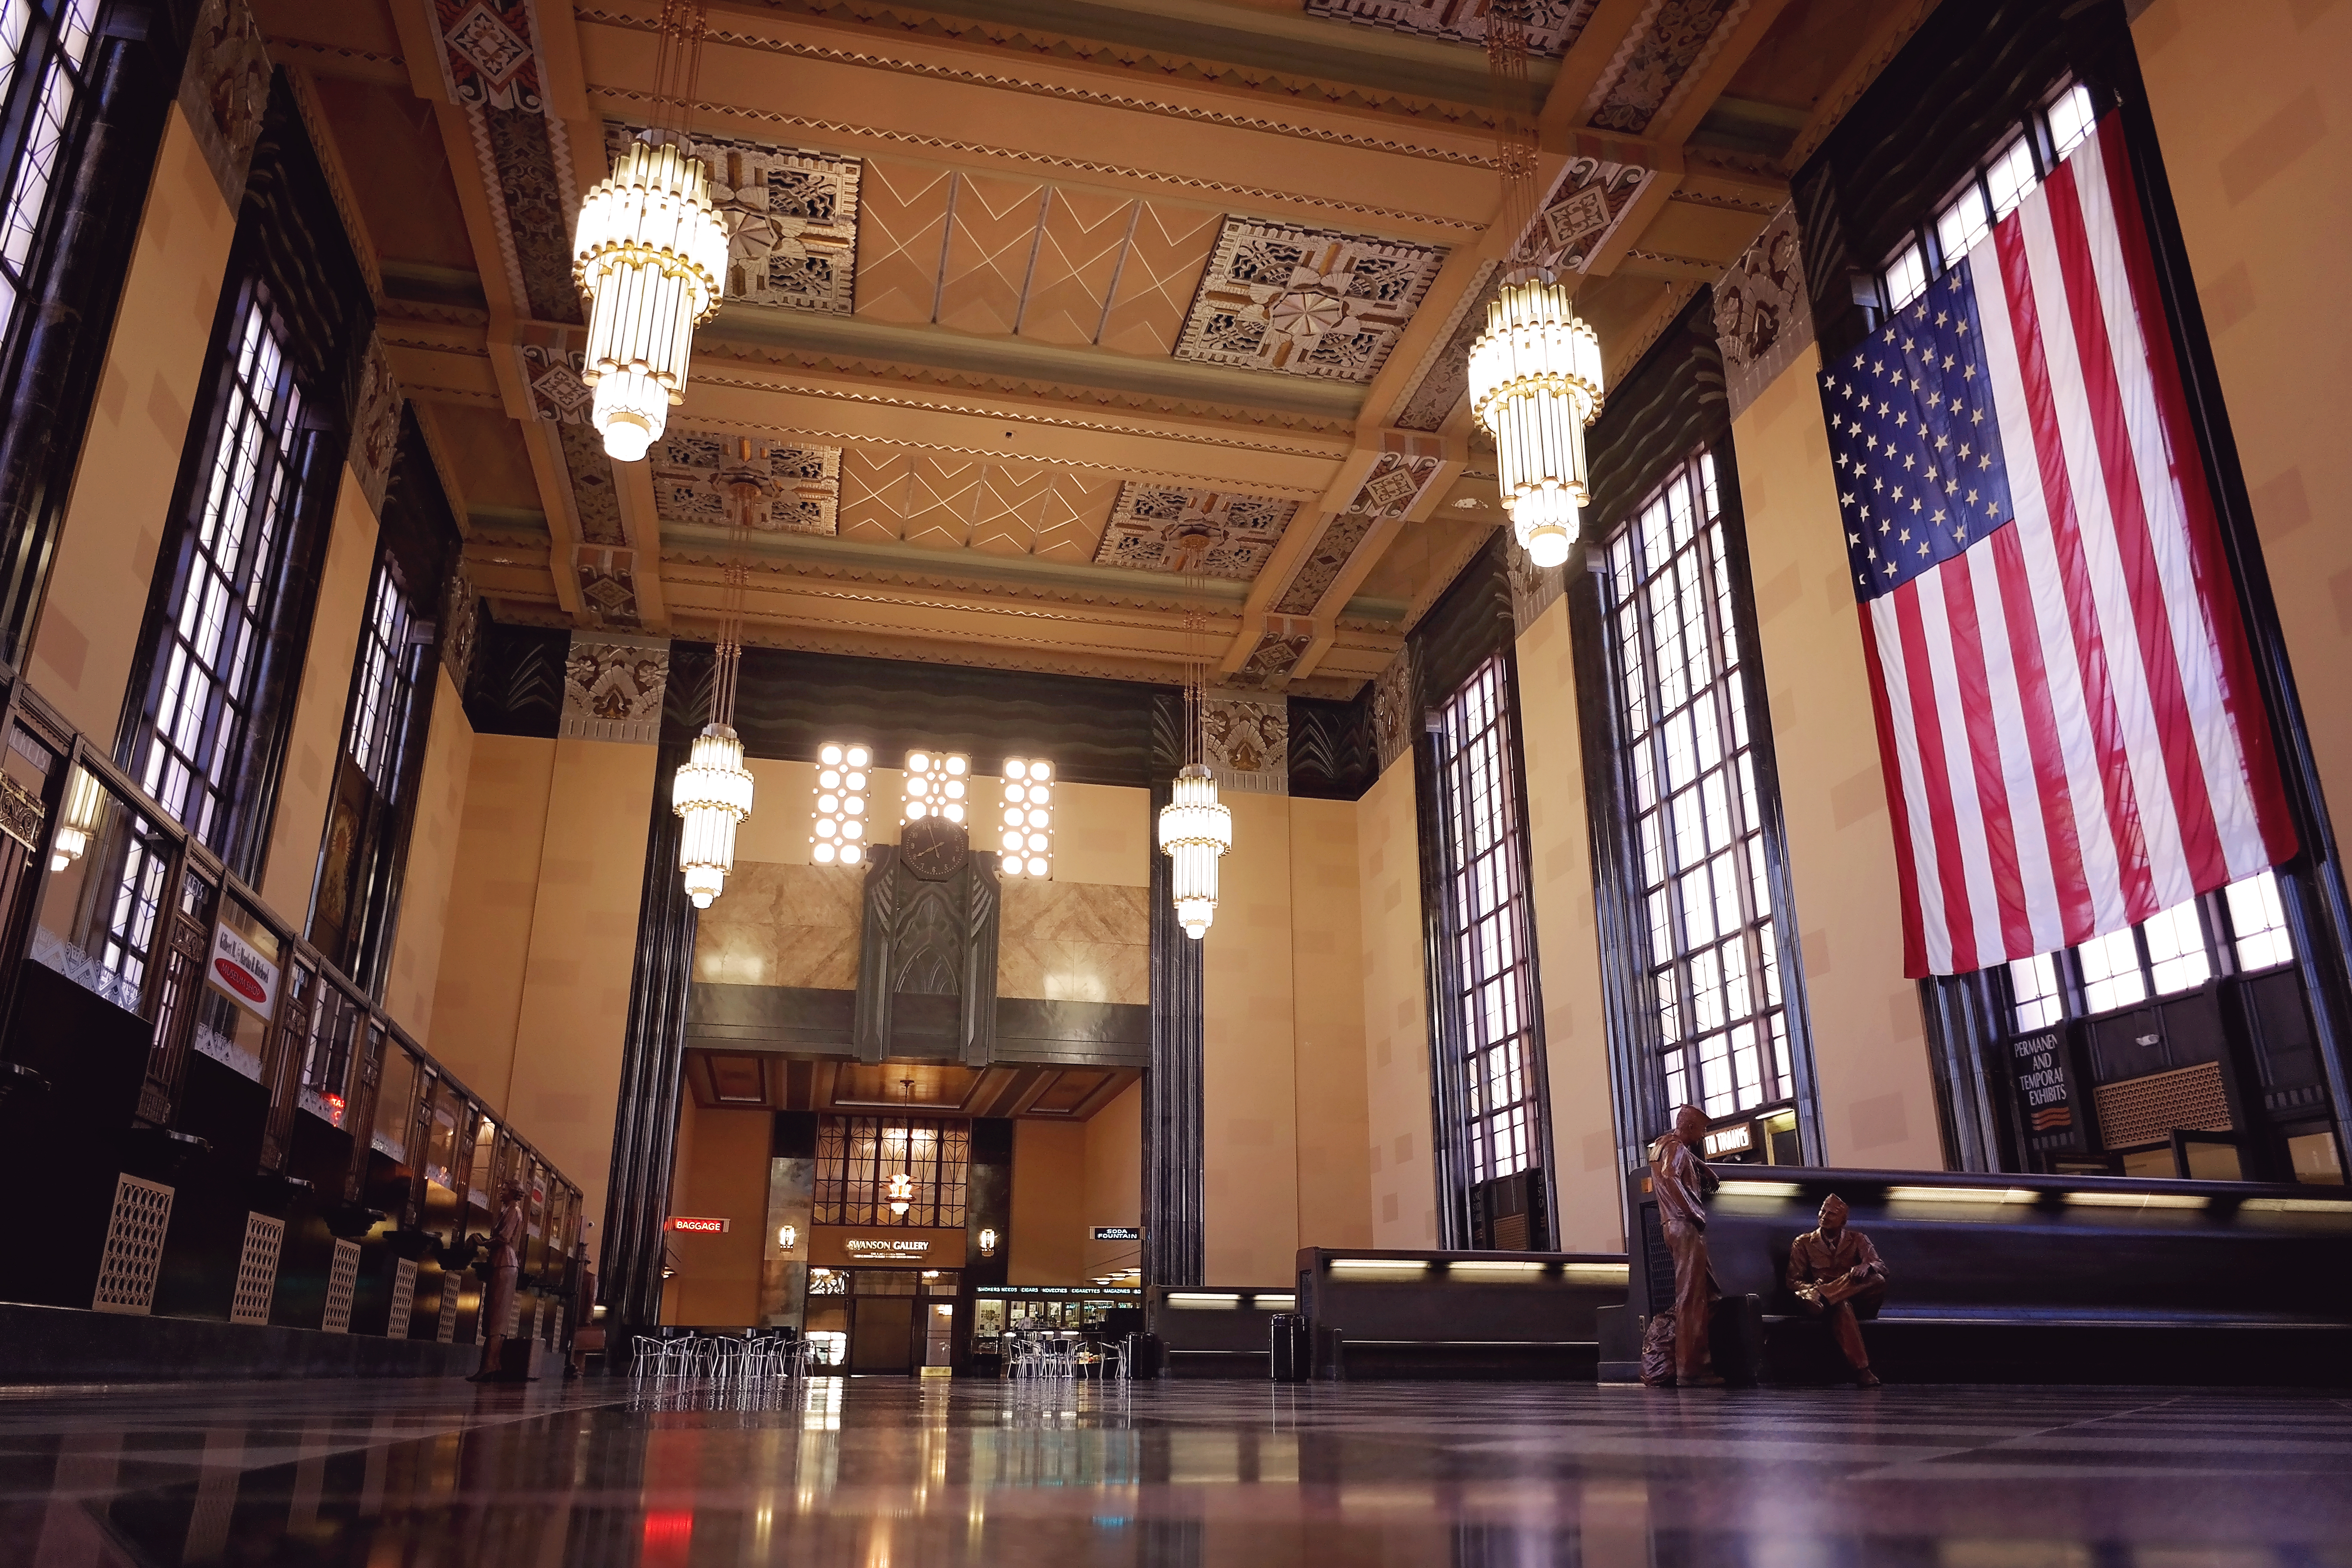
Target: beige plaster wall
[
  {"x": 1073, "y": 941},
  {"x": 1877, "y": 1100},
  {"x": 1591, "y": 1216},
  {"x": 722, "y": 1170},
  {"x": 487, "y": 931},
  {"x": 121, "y": 496},
  {"x": 314, "y": 741},
  {"x": 1396, "y": 1014},
  {"x": 563, "y": 1087},
  {"x": 1047, "y": 1239},
  {"x": 434, "y": 841},
  {"x": 1327, "y": 1023},
  {"x": 2253, "y": 113},
  {"x": 1249, "y": 1071},
  {"x": 1114, "y": 1181}
]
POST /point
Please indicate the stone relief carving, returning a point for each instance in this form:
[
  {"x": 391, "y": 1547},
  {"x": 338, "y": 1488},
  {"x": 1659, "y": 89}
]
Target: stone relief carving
[
  {"x": 225, "y": 92},
  {"x": 557, "y": 393},
  {"x": 1305, "y": 301},
  {"x": 1145, "y": 523},
  {"x": 1324, "y": 563},
  {"x": 926, "y": 957},
  {"x": 1586, "y": 205},
  {"x": 608, "y": 584},
  {"x": 1248, "y": 743},
  {"x": 1552, "y": 25},
  {"x": 1672, "y": 38},
  {"x": 592, "y": 494},
  {"x": 489, "y": 53},
  {"x": 1533, "y": 588},
  {"x": 790, "y": 217},
  {"x": 1394, "y": 722},
  {"x": 799, "y": 486},
  {"x": 613, "y": 688},
  {"x": 1270, "y": 663},
  {"x": 461, "y": 625},
  {"x": 375, "y": 426},
  {"x": 1763, "y": 314}
]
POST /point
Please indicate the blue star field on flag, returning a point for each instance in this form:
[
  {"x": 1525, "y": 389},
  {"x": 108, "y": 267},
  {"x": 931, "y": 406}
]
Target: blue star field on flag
[{"x": 1913, "y": 433}]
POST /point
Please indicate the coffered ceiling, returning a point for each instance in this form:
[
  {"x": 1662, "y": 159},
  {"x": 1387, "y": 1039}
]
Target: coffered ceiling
[{"x": 1014, "y": 285}]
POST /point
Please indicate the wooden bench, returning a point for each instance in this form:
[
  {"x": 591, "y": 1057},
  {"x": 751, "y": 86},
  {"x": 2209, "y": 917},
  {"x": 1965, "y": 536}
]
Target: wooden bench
[
  {"x": 1382, "y": 1313},
  {"x": 2003, "y": 1278},
  {"x": 1205, "y": 1330}
]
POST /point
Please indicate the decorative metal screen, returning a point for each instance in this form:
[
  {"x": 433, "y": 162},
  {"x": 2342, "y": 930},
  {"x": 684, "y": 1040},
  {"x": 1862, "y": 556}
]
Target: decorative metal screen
[
  {"x": 453, "y": 1285},
  {"x": 857, "y": 1155},
  {"x": 134, "y": 1247},
  {"x": 1712, "y": 944},
  {"x": 404, "y": 1299},
  {"x": 257, "y": 1269},
  {"x": 343, "y": 1283},
  {"x": 1491, "y": 975},
  {"x": 2146, "y": 1109}
]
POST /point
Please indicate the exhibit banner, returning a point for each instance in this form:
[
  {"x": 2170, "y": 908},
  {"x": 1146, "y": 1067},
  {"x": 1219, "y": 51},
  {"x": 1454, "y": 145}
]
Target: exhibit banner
[
  {"x": 2047, "y": 1115},
  {"x": 239, "y": 972}
]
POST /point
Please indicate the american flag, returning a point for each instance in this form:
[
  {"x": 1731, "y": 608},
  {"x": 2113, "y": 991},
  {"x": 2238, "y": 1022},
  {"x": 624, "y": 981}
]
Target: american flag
[{"x": 2067, "y": 715}]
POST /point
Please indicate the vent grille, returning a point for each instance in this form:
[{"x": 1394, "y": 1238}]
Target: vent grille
[
  {"x": 256, "y": 1268},
  {"x": 2147, "y": 1109},
  {"x": 134, "y": 1247},
  {"x": 404, "y": 1299},
  {"x": 452, "y": 1284},
  {"x": 342, "y": 1282}
]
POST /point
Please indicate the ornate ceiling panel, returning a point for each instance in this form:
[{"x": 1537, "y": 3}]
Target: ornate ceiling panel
[
  {"x": 1004, "y": 256},
  {"x": 1552, "y": 29},
  {"x": 790, "y": 217},
  {"x": 1242, "y": 530},
  {"x": 1002, "y": 508},
  {"x": 1305, "y": 301},
  {"x": 1672, "y": 39},
  {"x": 800, "y": 486}
]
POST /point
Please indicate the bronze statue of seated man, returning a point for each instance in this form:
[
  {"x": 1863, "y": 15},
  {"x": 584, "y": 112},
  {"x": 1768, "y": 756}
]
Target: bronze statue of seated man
[{"x": 1836, "y": 1274}]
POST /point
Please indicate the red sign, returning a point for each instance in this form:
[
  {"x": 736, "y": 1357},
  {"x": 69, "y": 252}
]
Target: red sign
[{"x": 697, "y": 1226}]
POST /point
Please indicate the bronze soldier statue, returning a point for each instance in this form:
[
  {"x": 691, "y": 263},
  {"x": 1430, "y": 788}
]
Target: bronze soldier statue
[{"x": 1838, "y": 1275}]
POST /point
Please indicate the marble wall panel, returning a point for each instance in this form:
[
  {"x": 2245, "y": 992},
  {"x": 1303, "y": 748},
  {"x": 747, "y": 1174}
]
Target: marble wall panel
[
  {"x": 782, "y": 925},
  {"x": 1075, "y": 942}
]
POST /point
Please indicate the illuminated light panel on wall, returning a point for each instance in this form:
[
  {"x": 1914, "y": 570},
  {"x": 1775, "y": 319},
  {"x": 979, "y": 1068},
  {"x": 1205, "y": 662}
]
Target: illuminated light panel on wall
[
  {"x": 939, "y": 784},
  {"x": 837, "y": 832},
  {"x": 1024, "y": 841}
]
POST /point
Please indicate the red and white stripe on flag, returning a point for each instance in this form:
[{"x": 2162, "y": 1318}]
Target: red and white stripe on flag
[{"x": 2067, "y": 712}]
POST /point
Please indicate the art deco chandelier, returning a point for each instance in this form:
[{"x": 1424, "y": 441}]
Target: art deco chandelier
[
  {"x": 649, "y": 253},
  {"x": 1535, "y": 372},
  {"x": 1195, "y": 829},
  {"x": 712, "y": 791}
]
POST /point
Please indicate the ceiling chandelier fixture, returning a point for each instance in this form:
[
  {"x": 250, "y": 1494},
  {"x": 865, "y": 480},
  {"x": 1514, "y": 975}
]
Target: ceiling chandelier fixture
[
  {"x": 1535, "y": 372},
  {"x": 712, "y": 791},
  {"x": 649, "y": 253},
  {"x": 902, "y": 1185},
  {"x": 1195, "y": 829}
]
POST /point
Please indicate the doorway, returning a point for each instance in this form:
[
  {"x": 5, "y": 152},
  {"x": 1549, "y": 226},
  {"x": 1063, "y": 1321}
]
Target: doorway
[{"x": 882, "y": 1313}]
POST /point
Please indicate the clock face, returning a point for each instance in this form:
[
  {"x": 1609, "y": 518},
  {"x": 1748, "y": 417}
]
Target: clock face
[{"x": 934, "y": 849}]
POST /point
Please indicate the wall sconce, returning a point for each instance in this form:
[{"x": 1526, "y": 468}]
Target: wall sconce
[
  {"x": 786, "y": 1237},
  {"x": 988, "y": 1243},
  {"x": 902, "y": 1193}
]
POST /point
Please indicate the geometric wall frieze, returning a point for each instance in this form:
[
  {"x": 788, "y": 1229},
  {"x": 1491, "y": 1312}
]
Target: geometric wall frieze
[
  {"x": 1552, "y": 25},
  {"x": 1305, "y": 301},
  {"x": 557, "y": 393},
  {"x": 790, "y": 217},
  {"x": 1394, "y": 724},
  {"x": 798, "y": 488},
  {"x": 608, "y": 584},
  {"x": 225, "y": 92},
  {"x": 1149, "y": 521}
]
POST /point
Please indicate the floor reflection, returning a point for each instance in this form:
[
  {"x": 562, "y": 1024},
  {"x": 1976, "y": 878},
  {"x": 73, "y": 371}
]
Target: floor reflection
[{"x": 889, "y": 1473}]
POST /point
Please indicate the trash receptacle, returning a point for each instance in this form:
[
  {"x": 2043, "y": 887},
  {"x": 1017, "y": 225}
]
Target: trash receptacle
[{"x": 1294, "y": 1347}]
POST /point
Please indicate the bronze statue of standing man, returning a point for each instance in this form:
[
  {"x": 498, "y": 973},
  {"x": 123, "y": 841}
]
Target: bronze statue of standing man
[
  {"x": 505, "y": 1265},
  {"x": 1680, "y": 1181}
]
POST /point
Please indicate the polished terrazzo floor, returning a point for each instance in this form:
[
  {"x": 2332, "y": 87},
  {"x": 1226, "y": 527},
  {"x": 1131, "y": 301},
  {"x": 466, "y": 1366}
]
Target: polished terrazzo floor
[{"x": 894, "y": 1474}]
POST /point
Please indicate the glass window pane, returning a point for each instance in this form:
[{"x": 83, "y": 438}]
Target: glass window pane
[
  {"x": 2175, "y": 950},
  {"x": 1906, "y": 276},
  {"x": 2010, "y": 179},
  {"x": 2111, "y": 973},
  {"x": 2071, "y": 119},
  {"x": 2259, "y": 921},
  {"x": 2034, "y": 984}
]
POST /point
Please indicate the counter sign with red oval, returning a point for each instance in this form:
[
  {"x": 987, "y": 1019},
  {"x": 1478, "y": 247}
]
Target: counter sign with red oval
[{"x": 241, "y": 973}]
